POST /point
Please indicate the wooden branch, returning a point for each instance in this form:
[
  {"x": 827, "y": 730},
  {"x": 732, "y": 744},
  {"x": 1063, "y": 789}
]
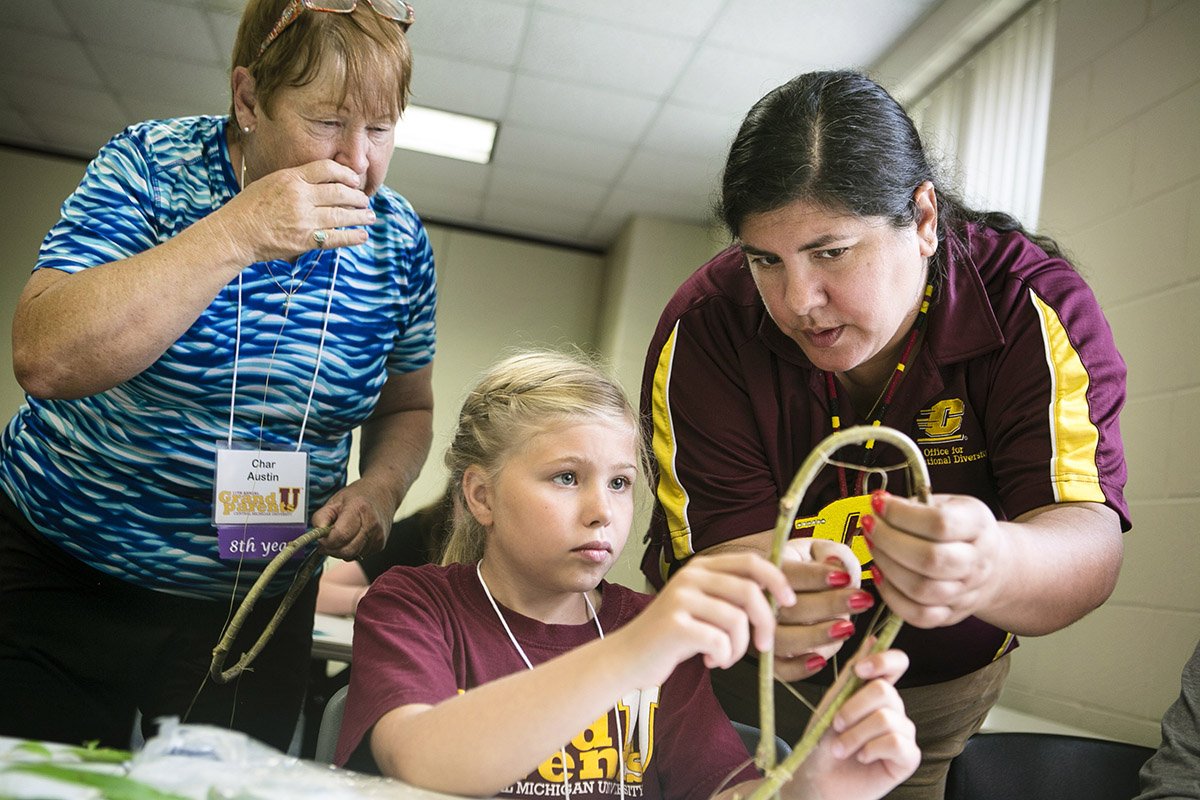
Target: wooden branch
[
  {"x": 221, "y": 651},
  {"x": 789, "y": 506}
]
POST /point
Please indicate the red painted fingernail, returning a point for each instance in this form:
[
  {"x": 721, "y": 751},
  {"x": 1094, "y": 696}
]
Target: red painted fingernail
[
  {"x": 877, "y": 575},
  {"x": 877, "y": 498},
  {"x": 842, "y": 629},
  {"x": 838, "y": 579},
  {"x": 860, "y": 601},
  {"x": 814, "y": 664},
  {"x": 834, "y": 560},
  {"x": 868, "y": 523}
]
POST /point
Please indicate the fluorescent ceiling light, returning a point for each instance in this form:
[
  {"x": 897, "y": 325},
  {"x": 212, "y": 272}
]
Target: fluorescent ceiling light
[{"x": 442, "y": 133}]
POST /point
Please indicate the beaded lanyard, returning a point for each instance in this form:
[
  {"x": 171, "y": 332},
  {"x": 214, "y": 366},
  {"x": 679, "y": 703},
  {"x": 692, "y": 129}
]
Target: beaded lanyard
[{"x": 885, "y": 399}]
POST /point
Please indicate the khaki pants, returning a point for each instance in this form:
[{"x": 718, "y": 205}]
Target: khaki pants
[{"x": 946, "y": 715}]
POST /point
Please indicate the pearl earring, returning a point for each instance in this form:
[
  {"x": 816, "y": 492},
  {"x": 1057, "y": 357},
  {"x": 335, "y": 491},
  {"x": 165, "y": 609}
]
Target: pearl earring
[{"x": 246, "y": 129}]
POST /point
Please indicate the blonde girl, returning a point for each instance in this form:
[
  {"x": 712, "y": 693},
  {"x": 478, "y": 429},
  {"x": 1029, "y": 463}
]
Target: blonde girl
[{"x": 514, "y": 669}]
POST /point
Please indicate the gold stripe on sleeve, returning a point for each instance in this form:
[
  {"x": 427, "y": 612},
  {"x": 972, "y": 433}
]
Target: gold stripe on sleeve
[
  {"x": 1074, "y": 440},
  {"x": 1008, "y": 637},
  {"x": 671, "y": 494}
]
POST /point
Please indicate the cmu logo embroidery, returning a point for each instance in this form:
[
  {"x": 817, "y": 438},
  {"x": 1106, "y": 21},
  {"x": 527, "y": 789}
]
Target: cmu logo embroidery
[{"x": 941, "y": 422}]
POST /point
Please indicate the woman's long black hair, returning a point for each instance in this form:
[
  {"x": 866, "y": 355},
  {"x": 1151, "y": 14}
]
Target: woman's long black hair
[{"x": 840, "y": 141}]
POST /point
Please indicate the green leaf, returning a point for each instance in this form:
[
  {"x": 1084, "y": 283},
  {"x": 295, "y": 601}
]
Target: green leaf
[
  {"x": 112, "y": 787},
  {"x": 37, "y": 748},
  {"x": 91, "y": 752}
]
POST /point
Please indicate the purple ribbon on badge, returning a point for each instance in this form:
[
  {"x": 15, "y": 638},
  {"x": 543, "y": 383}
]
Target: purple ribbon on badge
[{"x": 260, "y": 542}]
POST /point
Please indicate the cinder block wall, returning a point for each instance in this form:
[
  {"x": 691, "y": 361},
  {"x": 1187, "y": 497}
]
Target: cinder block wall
[{"x": 1122, "y": 194}]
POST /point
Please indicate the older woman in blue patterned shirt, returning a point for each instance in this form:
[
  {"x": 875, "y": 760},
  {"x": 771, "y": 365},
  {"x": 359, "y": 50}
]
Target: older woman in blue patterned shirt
[{"x": 223, "y": 300}]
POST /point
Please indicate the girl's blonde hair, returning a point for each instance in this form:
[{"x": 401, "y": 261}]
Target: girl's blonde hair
[{"x": 515, "y": 399}]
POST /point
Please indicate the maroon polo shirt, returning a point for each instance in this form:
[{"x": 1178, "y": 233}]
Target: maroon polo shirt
[{"x": 1013, "y": 398}]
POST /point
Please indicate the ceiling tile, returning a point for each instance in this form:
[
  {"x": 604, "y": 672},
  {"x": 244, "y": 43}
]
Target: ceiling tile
[
  {"x": 227, "y": 6},
  {"x": 518, "y": 146},
  {"x": 685, "y": 18},
  {"x": 423, "y": 168},
  {"x": 670, "y": 204},
  {"x": 200, "y": 89},
  {"x": 70, "y": 136},
  {"x": 549, "y": 190},
  {"x": 15, "y": 130},
  {"x": 76, "y": 102},
  {"x": 585, "y": 51},
  {"x": 454, "y": 85},
  {"x": 486, "y": 31},
  {"x": 602, "y": 114},
  {"x": 834, "y": 35},
  {"x": 27, "y": 53},
  {"x": 437, "y": 201},
  {"x": 605, "y": 109},
  {"x": 691, "y": 132},
  {"x": 42, "y": 16},
  {"x": 729, "y": 81},
  {"x": 604, "y": 229},
  {"x": 224, "y": 28},
  {"x": 687, "y": 176},
  {"x": 145, "y": 26},
  {"x": 535, "y": 220}
]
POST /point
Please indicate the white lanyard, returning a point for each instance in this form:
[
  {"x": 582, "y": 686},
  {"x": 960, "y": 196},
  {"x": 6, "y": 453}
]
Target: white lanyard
[
  {"x": 253, "y": 487},
  {"x": 521, "y": 652},
  {"x": 237, "y": 347},
  {"x": 237, "y": 342}
]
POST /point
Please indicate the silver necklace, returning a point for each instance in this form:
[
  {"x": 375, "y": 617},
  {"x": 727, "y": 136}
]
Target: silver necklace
[{"x": 295, "y": 282}]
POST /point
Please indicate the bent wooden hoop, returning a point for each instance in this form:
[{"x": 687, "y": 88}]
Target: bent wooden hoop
[
  {"x": 789, "y": 505},
  {"x": 311, "y": 562}
]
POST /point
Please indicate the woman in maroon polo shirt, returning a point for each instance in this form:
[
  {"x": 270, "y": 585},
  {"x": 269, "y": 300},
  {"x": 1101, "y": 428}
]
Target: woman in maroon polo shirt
[{"x": 859, "y": 291}]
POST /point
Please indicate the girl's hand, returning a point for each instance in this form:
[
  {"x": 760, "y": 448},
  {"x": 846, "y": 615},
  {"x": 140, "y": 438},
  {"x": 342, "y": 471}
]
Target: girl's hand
[
  {"x": 275, "y": 216},
  {"x": 872, "y": 745},
  {"x": 713, "y": 607},
  {"x": 826, "y": 578},
  {"x": 940, "y": 562}
]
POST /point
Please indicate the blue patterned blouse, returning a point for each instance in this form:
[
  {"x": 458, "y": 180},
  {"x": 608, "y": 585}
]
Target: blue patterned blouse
[{"x": 122, "y": 480}]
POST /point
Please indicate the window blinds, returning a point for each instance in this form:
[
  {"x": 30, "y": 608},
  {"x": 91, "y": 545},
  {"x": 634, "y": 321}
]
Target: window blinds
[{"x": 985, "y": 121}]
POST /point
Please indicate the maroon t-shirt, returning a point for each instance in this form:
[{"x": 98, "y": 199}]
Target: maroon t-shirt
[
  {"x": 423, "y": 634},
  {"x": 1013, "y": 398}
]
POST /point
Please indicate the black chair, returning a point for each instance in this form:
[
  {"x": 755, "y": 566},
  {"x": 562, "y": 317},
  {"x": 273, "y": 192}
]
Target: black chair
[
  {"x": 1045, "y": 766},
  {"x": 750, "y": 736}
]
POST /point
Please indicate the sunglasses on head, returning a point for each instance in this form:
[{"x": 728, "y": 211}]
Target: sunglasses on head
[{"x": 396, "y": 10}]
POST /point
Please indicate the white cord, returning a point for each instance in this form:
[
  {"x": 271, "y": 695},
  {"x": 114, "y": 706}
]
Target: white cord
[
  {"x": 521, "y": 652},
  {"x": 237, "y": 341},
  {"x": 504, "y": 622},
  {"x": 337, "y": 259},
  {"x": 620, "y": 735},
  {"x": 237, "y": 349}
]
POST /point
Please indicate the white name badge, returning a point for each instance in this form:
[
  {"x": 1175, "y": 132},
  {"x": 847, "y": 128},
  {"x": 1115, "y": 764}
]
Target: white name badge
[{"x": 256, "y": 487}]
